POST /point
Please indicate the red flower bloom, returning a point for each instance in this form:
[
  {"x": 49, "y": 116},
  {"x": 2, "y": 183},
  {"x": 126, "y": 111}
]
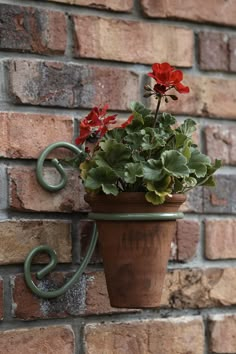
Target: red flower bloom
[
  {"x": 166, "y": 78},
  {"x": 95, "y": 124},
  {"x": 127, "y": 122}
]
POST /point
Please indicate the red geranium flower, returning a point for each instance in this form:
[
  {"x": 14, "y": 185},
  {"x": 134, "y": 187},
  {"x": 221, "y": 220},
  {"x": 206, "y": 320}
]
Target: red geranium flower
[
  {"x": 166, "y": 78},
  {"x": 127, "y": 122},
  {"x": 95, "y": 124}
]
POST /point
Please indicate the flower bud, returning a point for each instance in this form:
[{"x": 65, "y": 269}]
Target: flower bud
[{"x": 148, "y": 88}]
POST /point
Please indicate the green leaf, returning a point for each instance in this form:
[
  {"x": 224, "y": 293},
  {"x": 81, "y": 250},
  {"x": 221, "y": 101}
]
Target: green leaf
[
  {"x": 198, "y": 163},
  {"x": 135, "y": 139},
  {"x": 132, "y": 171},
  {"x": 145, "y": 113},
  {"x": 178, "y": 186},
  {"x": 136, "y": 125},
  {"x": 187, "y": 127},
  {"x": 174, "y": 163},
  {"x": 189, "y": 183},
  {"x": 186, "y": 150},
  {"x": 210, "y": 170},
  {"x": 151, "y": 140},
  {"x": 110, "y": 189},
  {"x": 210, "y": 182},
  {"x": 180, "y": 139},
  {"x": 140, "y": 108},
  {"x": 166, "y": 119},
  {"x": 114, "y": 155},
  {"x": 160, "y": 186},
  {"x": 154, "y": 198},
  {"x": 85, "y": 167},
  {"x": 152, "y": 170},
  {"x": 116, "y": 134},
  {"x": 102, "y": 177}
]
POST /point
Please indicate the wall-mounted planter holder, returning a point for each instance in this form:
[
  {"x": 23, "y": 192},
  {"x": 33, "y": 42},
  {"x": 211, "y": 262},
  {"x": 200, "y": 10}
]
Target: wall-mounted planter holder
[{"x": 135, "y": 239}]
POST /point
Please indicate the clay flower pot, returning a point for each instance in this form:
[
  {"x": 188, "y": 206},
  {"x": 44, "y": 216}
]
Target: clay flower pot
[{"x": 135, "y": 253}]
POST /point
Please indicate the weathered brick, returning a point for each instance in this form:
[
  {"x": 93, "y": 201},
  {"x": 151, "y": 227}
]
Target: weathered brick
[
  {"x": 208, "y": 97},
  {"x": 109, "y": 39},
  {"x": 198, "y": 11},
  {"x": 220, "y": 143},
  {"x": 52, "y": 128},
  {"x": 222, "y": 198},
  {"x": 186, "y": 288},
  {"x": 27, "y": 306},
  {"x": 220, "y": 240},
  {"x": 85, "y": 297},
  {"x": 183, "y": 288},
  {"x": 33, "y": 30},
  {"x": 113, "y": 5},
  {"x": 40, "y": 340},
  {"x": 232, "y": 52},
  {"x": 27, "y": 195},
  {"x": 187, "y": 237},
  {"x": 19, "y": 237},
  {"x": 194, "y": 202},
  {"x": 1, "y": 299},
  {"x": 213, "y": 51},
  {"x": 223, "y": 334},
  {"x": 70, "y": 85},
  {"x": 199, "y": 288},
  {"x": 163, "y": 336}
]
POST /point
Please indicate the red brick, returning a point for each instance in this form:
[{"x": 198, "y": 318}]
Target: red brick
[
  {"x": 27, "y": 306},
  {"x": 213, "y": 51},
  {"x": 183, "y": 288},
  {"x": 194, "y": 201},
  {"x": 70, "y": 85},
  {"x": 220, "y": 143},
  {"x": 86, "y": 297},
  {"x": 208, "y": 97},
  {"x": 220, "y": 240},
  {"x": 191, "y": 10},
  {"x": 109, "y": 39},
  {"x": 1, "y": 299},
  {"x": 187, "y": 237},
  {"x": 40, "y": 340},
  {"x": 85, "y": 236},
  {"x": 33, "y": 30},
  {"x": 52, "y": 128},
  {"x": 19, "y": 237},
  {"x": 113, "y": 5},
  {"x": 232, "y": 51},
  {"x": 221, "y": 198},
  {"x": 163, "y": 336},
  {"x": 27, "y": 195},
  {"x": 223, "y": 334}
]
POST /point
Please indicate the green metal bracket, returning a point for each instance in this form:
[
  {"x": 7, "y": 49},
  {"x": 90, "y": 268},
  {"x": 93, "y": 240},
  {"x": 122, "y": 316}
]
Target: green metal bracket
[{"x": 94, "y": 216}]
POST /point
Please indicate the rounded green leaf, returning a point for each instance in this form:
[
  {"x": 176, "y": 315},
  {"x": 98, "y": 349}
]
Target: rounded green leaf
[{"x": 174, "y": 163}]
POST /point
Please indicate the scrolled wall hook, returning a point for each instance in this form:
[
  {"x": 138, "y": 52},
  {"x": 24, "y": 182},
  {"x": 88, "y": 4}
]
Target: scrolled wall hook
[
  {"x": 52, "y": 264},
  {"x": 58, "y": 166},
  {"x": 45, "y": 248}
]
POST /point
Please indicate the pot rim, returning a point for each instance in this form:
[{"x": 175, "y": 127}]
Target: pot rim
[{"x": 131, "y": 198}]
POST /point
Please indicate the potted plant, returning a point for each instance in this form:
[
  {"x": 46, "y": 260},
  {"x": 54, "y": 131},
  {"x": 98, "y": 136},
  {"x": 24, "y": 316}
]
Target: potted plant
[{"x": 142, "y": 166}]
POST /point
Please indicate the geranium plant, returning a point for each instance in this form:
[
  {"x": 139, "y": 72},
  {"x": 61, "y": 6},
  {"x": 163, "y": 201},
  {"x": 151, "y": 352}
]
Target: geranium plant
[{"x": 149, "y": 152}]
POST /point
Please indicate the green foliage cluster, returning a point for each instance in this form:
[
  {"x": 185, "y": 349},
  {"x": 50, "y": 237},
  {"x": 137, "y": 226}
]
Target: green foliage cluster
[{"x": 159, "y": 159}]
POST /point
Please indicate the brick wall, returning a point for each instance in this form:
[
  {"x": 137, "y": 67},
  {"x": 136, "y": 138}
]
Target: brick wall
[{"x": 58, "y": 58}]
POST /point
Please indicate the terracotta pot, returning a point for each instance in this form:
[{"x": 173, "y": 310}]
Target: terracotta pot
[{"x": 135, "y": 253}]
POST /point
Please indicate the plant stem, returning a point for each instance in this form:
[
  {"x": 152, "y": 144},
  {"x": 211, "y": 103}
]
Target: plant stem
[{"x": 157, "y": 110}]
